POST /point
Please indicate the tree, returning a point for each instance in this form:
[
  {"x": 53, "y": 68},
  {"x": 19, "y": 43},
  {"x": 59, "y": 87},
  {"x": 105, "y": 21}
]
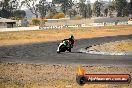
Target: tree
[
  {"x": 57, "y": 1},
  {"x": 32, "y": 6},
  {"x": 110, "y": 10},
  {"x": 5, "y": 13},
  {"x": 72, "y": 13},
  {"x": 66, "y": 4},
  {"x": 120, "y": 6},
  {"x": 89, "y": 11},
  {"x": 106, "y": 12},
  {"x": 9, "y": 8},
  {"x": 83, "y": 8},
  {"x": 43, "y": 8},
  {"x": 125, "y": 12},
  {"x": 5, "y": 4},
  {"x": 19, "y": 13},
  {"x": 51, "y": 13},
  {"x": 97, "y": 8},
  {"x": 131, "y": 4},
  {"x": 130, "y": 7},
  {"x": 5, "y": 9},
  {"x": 11, "y": 5},
  {"x": 15, "y": 4}
]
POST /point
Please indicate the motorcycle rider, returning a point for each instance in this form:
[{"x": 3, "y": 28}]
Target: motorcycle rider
[
  {"x": 66, "y": 44},
  {"x": 71, "y": 41}
]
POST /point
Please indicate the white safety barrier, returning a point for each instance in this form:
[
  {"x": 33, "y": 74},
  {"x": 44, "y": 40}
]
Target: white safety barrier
[
  {"x": 97, "y": 24},
  {"x": 19, "y": 29},
  {"x": 86, "y": 25},
  {"x": 62, "y": 26},
  {"x": 130, "y": 22},
  {"x": 65, "y": 26}
]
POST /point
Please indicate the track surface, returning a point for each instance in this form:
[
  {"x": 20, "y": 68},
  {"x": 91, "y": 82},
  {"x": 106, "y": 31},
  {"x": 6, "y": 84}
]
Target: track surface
[{"x": 46, "y": 53}]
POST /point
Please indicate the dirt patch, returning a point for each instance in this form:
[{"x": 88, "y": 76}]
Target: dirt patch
[
  {"x": 24, "y": 37},
  {"x": 54, "y": 75},
  {"x": 117, "y": 47}
]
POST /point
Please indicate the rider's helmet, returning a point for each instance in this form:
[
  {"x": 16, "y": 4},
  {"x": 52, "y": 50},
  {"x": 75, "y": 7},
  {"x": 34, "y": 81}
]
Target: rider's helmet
[{"x": 72, "y": 37}]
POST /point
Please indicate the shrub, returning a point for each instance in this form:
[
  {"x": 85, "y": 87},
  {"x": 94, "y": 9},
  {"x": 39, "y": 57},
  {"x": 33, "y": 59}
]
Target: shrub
[
  {"x": 77, "y": 17},
  {"x": 55, "y": 16},
  {"x": 59, "y": 15},
  {"x": 48, "y": 17},
  {"x": 35, "y": 22},
  {"x": 15, "y": 18},
  {"x": 43, "y": 19}
]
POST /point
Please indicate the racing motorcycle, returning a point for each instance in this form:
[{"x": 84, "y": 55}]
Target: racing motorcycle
[{"x": 64, "y": 46}]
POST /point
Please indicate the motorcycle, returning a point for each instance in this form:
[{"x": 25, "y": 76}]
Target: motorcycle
[{"x": 64, "y": 46}]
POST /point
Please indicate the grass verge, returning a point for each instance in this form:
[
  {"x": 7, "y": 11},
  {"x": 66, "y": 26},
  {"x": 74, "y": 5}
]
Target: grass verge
[{"x": 24, "y": 37}]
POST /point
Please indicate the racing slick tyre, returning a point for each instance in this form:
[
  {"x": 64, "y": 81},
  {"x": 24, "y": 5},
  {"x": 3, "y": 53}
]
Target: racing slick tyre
[
  {"x": 61, "y": 49},
  {"x": 58, "y": 52}
]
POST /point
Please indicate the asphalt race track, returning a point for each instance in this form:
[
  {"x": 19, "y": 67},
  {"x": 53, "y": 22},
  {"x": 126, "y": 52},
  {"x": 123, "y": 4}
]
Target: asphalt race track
[{"x": 45, "y": 52}]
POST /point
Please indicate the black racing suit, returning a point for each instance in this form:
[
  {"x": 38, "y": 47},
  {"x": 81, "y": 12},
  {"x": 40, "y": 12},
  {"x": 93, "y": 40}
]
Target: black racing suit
[{"x": 71, "y": 42}]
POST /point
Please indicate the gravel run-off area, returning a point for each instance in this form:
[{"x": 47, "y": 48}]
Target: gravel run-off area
[
  {"x": 123, "y": 47},
  {"x": 16, "y": 75}
]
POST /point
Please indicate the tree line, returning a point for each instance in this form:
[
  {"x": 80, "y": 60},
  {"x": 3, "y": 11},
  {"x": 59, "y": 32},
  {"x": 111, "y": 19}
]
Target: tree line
[
  {"x": 42, "y": 8},
  {"x": 11, "y": 8}
]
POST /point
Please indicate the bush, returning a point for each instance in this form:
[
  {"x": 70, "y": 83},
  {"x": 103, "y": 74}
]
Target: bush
[
  {"x": 15, "y": 18},
  {"x": 48, "y": 17},
  {"x": 43, "y": 19},
  {"x": 77, "y": 17},
  {"x": 35, "y": 22},
  {"x": 59, "y": 15},
  {"x": 55, "y": 16}
]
